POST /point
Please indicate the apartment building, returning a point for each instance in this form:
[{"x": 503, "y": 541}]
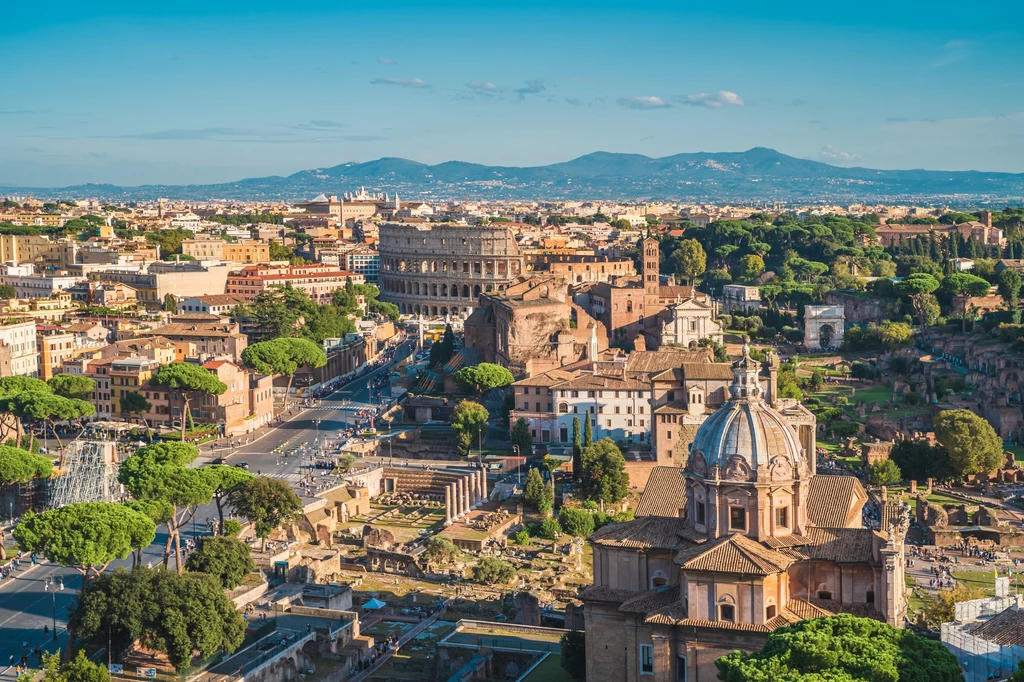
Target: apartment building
[
  {"x": 364, "y": 262},
  {"x": 319, "y": 282},
  {"x": 28, "y": 284},
  {"x": 243, "y": 251},
  {"x": 185, "y": 278},
  {"x": 214, "y": 304},
  {"x": 210, "y": 340},
  {"x": 19, "y": 355},
  {"x": 56, "y": 347},
  {"x": 132, "y": 375}
]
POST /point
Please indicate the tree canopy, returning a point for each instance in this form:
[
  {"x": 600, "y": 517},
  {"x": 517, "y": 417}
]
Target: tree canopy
[
  {"x": 469, "y": 422},
  {"x": 21, "y": 466},
  {"x": 604, "y": 477},
  {"x": 842, "y": 648},
  {"x": 180, "y": 615},
  {"x": 86, "y": 536},
  {"x": 188, "y": 379},
  {"x": 72, "y": 386},
  {"x": 493, "y": 571},
  {"x": 484, "y": 377},
  {"x": 970, "y": 441},
  {"x": 268, "y": 503},
  {"x": 522, "y": 438},
  {"x": 226, "y": 559}
]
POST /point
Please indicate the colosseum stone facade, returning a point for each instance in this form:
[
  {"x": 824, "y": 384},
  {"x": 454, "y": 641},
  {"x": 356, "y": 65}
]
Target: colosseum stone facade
[{"x": 437, "y": 270}]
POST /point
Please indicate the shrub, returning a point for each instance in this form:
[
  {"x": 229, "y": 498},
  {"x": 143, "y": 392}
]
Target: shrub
[
  {"x": 549, "y": 529},
  {"x": 578, "y": 522},
  {"x": 492, "y": 571},
  {"x": 521, "y": 537},
  {"x": 232, "y": 527}
]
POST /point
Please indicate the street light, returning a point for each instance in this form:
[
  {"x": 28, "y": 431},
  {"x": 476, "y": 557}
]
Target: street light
[
  {"x": 317, "y": 422},
  {"x": 52, "y": 587},
  {"x": 519, "y": 470}
]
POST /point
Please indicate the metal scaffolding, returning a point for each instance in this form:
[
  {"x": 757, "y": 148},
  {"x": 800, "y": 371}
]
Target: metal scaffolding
[{"x": 89, "y": 474}]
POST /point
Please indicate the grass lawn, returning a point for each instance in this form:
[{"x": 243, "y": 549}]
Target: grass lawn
[
  {"x": 1018, "y": 452},
  {"x": 942, "y": 499},
  {"x": 984, "y": 579},
  {"x": 549, "y": 670}
]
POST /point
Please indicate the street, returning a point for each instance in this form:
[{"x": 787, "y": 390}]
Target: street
[{"x": 26, "y": 606}]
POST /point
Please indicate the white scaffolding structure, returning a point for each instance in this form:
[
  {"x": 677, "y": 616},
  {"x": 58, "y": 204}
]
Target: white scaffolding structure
[{"x": 89, "y": 475}]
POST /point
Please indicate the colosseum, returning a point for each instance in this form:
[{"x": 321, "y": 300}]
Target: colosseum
[{"x": 438, "y": 270}]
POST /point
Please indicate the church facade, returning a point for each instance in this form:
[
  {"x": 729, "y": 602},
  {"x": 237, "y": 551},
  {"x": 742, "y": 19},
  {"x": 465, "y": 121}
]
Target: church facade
[{"x": 744, "y": 539}]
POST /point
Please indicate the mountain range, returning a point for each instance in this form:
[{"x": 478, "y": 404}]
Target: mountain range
[{"x": 757, "y": 175}]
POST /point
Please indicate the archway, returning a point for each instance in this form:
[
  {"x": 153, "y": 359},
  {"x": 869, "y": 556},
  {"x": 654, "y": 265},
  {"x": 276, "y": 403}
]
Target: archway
[{"x": 826, "y": 333}]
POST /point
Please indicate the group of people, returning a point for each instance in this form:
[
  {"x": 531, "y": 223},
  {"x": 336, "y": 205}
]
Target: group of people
[
  {"x": 15, "y": 564},
  {"x": 379, "y": 650}
]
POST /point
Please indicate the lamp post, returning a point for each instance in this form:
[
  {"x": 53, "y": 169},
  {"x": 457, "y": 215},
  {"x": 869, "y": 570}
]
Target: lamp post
[
  {"x": 52, "y": 587},
  {"x": 391, "y": 452},
  {"x": 317, "y": 422},
  {"x": 519, "y": 470}
]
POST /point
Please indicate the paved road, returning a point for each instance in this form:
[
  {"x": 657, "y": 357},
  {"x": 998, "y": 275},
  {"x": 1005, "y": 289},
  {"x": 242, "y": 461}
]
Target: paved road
[{"x": 25, "y": 606}]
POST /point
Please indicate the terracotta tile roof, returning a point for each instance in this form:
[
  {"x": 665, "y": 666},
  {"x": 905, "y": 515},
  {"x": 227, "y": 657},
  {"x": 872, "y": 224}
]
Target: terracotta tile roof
[
  {"x": 834, "y": 501},
  {"x": 674, "y": 407},
  {"x": 842, "y": 545},
  {"x": 606, "y": 594},
  {"x": 665, "y": 617},
  {"x": 805, "y": 609},
  {"x": 648, "y": 361},
  {"x": 665, "y": 493},
  {"x": 596, "y": 382},
  {"x": 1005, "y": 629},
  {"x": 707, "y": 370},
  {"x": 648, "y": 532},
  {"x": 651, "y": 600},
  {"x": 736, "y": 554}
]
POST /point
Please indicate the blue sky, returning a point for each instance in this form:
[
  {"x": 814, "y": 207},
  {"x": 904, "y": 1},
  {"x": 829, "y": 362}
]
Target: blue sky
[{"x": 183, "y": 92}]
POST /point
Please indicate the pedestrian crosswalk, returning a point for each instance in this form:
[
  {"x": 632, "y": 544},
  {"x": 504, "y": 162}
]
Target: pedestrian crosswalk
[{"x": 333, "y": 408}]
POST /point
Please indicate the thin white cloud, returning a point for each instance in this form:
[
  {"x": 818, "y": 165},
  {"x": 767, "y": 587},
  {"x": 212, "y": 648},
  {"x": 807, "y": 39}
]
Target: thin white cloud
[
  {"x": 402, "y": 82},
  {"x": 718, "y": 100},
  {"x": 483, "y": 86},
  {"x": 798, "y": 103},
  {"x": 647, "y": 102},
  {"x": 831, "y": 153},
  {"x": 178, "y": 134},
  {"x": 385, "y": 60},
  {"x": 531, "y": 88},
  {"x": 956, "y": 44}
]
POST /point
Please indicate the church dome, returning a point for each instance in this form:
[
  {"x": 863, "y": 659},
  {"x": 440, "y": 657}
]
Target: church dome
[{"x": 745, "y": 433}]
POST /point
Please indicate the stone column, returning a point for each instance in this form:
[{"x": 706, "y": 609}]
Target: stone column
[
  {"x": 447, "y": 505},
  {"x": 460, "y": 492},
  {"x": 474, "y": 498},
  {"x": 483, "y": 484},
  {"x": 465, "y": 493}
]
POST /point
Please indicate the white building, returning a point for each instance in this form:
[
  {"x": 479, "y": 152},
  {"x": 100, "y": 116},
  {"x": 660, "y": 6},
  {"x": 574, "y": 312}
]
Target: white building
[
  {"x": 985, "y": 634},
  {"x": 29, "y": 285},
  {"x": 363, "y": 262},
  {"x": 738, "y": 298},
  {"x": 214, "y": 304},
  {"x": 617, "y": 408},
  {"x": 19, "y": 355},
  {"x": 689, "y": 321}
]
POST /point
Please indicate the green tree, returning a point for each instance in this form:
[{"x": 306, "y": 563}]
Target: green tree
[
  {"x": 226, "y": 559},
  {"x": 72, "y": 386},
  {"x": 575, "y": 521},
  {"x": 884, "y": 472},
  {"x": 842, "y": 648},
  {"x": 522, "y": 438},
  {"x": 963, "y": 286},
  {"x": 918, "y": 460},
  {"x": 384, "y": 309},
  {"x": 47, "y": 408},
  {"x": 941, "y": 607},
  {"x": 817, "y": 380},
  {"x": 86, "y": 536},
  {"x": 160, "y": 472},
  {"x": 917, "y": 286},
  {"x": 225, "y": 481},
  {"x": 577, "y": 448},
  {"x": 346, "y": 461},
  {"x": 188, "y": 380},
  {"x": 534, "y": 489},
  {"x": 493, "y": 571},
  {"x": 133, "y": 403},
  {"x": 588, "y": 433},
  {"x": 442, "y": 351},
  {"x": 268, "y": 503},
  {"x": 972, "y": 444},
  {"x": 440, "y": 551},
  {"x": 170, "y": 303},
  {"x": 550, "y": 529},
  {"x": 180, "y": 615},
  {"x": 78, "y": 669},
  {"x": 689, "y": 259},
  {"x": 574, "y": 654},
  {"x": 303, "y": 353},
  {"x": 604, "y": 477},
  {"x": 21, "y": 466},
  {"x": 751, "y": 266},
  {"x": 484, "y": 377},
  {"x": 469, "y": 422},
  {"x": 7, "y": 292},
  {"x": 1009, "y": 289}
]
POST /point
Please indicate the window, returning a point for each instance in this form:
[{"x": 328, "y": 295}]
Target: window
[
  {"x": 608, "y": 423},
  {"x": 617, "y": 409},
  {"x": 824, "y": 595},
  {"x": 681, "y": 669},
  {"x": 727, "y": 613},
  {"x": 870, "y": 597},
  {"x": 668, "y": 435},
  {"x": 701, "y": 513},
  {"x": 782, "y": 517},
  {"x": 646, "y": 659},
  {"x": 737, "y": 518},
  {"x": 769, "y": 612}
]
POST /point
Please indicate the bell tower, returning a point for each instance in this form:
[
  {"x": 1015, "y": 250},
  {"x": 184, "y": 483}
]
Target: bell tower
[{"x": 649, "y": 269}]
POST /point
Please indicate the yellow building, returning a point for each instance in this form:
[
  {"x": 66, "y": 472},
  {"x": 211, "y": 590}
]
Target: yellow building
[
  {"x": 54, "y": 351},
  {"x": 34, "y": 219},
  {"x": 127, "y": 375},
  {"x": 232, "y": 252}
]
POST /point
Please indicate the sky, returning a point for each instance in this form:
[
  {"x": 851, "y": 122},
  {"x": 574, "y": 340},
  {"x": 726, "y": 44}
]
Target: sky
[{"x": 211, "y": 91}]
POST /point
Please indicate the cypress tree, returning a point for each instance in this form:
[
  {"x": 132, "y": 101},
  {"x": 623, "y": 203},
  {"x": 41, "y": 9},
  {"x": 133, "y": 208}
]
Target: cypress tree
[
  {"x": 577, "y": 448},
  {"x": 588, "y": 433}
]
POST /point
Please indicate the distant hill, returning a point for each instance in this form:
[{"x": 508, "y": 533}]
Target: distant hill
[{"x": 756, "y": 175}]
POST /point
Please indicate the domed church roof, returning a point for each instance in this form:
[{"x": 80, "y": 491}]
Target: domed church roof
[{"x": 745, "y": 430}]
